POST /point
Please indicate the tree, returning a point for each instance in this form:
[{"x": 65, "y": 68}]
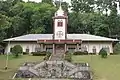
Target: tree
[
  {"x": 16, "y": 50},
  {"x": 116, "y": 49},
  {"x": 48, "y": 1},
  {"x": 64, "y": 5},
  {"x": 4, "y": 25},
  {"x": 103, "y": 53},
  {"x": 82, "y": 5}
]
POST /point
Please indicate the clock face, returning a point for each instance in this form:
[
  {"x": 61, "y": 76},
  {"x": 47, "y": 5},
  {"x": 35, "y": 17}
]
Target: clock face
[{"x": 59, "y": 34}]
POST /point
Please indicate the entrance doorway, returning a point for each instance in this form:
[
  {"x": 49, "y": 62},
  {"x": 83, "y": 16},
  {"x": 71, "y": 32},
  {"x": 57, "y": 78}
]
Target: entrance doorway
[{"x": 59, "y": 49}]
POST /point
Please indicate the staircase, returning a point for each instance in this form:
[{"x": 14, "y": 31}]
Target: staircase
[{"x": 57, "y": 57}]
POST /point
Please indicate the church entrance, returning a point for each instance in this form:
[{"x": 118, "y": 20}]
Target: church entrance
[{"x": 59, "y": 48}]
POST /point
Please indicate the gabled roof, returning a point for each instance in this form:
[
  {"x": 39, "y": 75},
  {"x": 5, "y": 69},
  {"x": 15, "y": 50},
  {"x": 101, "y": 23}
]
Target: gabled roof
[
  {"x": 89, "y": 37},
  {"x": 83, "y": 37}
]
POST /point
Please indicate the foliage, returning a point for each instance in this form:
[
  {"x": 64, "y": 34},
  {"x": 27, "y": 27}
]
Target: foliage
[
  {"x": 25, "y": 53},
  {"x": 103, "y": 53},
  {"x": 19, "y": 18},
  {"x": 43, "y": 53},
  {"x": 116, "y": 49},
  {"x": 68, "y": 56},
  {"x": 16, "y": 50},
  {"x": 47, "y": 56},
  {"x": 80, "y": 53}
]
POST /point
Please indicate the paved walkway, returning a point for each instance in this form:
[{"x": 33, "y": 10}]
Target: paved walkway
[{"x": 57, "y": 57}]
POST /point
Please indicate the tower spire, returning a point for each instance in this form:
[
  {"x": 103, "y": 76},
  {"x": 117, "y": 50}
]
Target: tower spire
[{"x": 60, "y": 4}]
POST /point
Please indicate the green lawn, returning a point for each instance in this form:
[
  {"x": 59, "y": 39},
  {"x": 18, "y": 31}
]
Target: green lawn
[
  {"x": 14, "y": 64},
  {"x": 103, "y": 69}
]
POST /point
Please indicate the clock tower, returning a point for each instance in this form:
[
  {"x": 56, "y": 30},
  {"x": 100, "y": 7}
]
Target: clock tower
[{"x": 60, "y": 25}]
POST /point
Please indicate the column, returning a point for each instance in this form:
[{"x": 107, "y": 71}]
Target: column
[
  {"x": 53, "y": 48},
  {"x": 77, "y": 47},
  {"x": 65, "y": 47},
  {"x": 41, "y": 46}
]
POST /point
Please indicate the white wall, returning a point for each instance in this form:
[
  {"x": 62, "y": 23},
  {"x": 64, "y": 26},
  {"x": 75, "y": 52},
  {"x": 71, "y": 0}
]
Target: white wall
[
  {"x": 24, "y": 45},
  {"x": 98, "y": 45},
  {"x": 60, "y": 29},
  {"x": 89, "y": 45}
]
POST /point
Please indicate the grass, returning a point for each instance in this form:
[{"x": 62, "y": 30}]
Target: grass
[
  {"x": 103, "y": 69},
  {"x": 14, "y": 64}
]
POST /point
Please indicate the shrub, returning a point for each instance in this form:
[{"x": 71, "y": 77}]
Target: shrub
[
  {"x": 25, "y": 53},
  {"x": 68, "y": 56},
  {"x": 80, "y": 53},
  {"x": 43, "y": 53},
  {"x": 48, "y": 54},
  {"x": 92, "y": 53},
  {"x": 116, "y": 49},
  {"x": 16, "y": 50},
  {"x": 103, "y": 53}
]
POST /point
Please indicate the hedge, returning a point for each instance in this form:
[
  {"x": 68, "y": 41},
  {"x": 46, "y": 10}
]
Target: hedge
[
  {"x": 68, "y": 56},
  {"x": 80, "y": 53},
  {"x": 43, "y": 53}
]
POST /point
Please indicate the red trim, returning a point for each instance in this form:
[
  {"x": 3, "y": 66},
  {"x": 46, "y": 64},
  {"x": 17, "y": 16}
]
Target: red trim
[{"x": 59, "y": 41}]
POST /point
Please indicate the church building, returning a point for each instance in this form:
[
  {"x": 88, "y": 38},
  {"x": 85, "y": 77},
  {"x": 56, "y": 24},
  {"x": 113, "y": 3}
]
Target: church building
[{"x": 60, "y": 41}]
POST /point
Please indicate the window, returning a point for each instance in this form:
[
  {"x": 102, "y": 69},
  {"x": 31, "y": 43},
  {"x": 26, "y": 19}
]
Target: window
[
  {"x": 94, "y": 49},
  {"x": 27, "y": 49},
  {"x": 84, "y": 48},
  {"x": 71, "y": 49},
  {"x": 49, "y": 50},
  {"x": 37, "y": 49},
  {"x": 107, "y": 49},
  {"x": 60, "y": 23}
]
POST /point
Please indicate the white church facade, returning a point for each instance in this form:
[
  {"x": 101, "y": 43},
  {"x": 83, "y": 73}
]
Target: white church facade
[{"x": 60, "y": 41}]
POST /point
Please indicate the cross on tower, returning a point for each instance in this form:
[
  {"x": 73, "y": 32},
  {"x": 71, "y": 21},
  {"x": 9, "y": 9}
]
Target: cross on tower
[{"x": 60, "y": 2}]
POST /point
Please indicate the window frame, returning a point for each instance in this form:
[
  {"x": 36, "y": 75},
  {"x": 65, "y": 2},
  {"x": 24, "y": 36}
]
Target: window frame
[{"x": 60, "y": 23}]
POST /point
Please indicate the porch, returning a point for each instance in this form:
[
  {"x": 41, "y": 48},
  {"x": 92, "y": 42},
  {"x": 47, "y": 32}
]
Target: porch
[{"x": 59, "y": 46}]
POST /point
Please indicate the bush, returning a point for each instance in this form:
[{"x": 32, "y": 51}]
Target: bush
[
  {"x": 16, "y": 50},
  {"x": 103, "y": 53},
  {"x": 80, "y": 53},
  {"x": 68, "y": 56},
  {"x": 92, "y": 53},
  {"x": 43, "y": 53},
  {"x": 25, "y": 53},
  {"x": 116, "y": 49},
  {"x": 47, "y": 56}
]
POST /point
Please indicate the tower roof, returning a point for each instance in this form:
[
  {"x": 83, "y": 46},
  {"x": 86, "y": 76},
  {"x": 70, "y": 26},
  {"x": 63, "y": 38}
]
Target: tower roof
[{"x": 60, "y": 11}]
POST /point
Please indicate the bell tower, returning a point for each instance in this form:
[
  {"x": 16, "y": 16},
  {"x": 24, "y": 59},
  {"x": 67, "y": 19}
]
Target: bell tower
[{"x": 60, "y": 24}]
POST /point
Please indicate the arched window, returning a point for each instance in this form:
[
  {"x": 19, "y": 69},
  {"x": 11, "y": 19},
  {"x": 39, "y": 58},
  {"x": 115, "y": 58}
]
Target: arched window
[
  {"x": 60, "y": 23},
  {"x": 83, "y": 48},
  {"x": 37, "y": 49},
  {"x": 94, "y": 49},
  {"x": 27, "y": 49}
]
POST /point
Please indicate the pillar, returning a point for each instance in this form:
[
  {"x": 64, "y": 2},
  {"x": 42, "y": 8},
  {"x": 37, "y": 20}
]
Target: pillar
[
  {"x": 53, "y": 48},
  {"x": 77, "y": 47},
  {"x": 41, "y": 47},
  {"x": 65, "y": 47}
]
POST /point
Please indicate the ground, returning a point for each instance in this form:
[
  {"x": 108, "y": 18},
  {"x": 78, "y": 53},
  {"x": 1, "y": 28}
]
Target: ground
[
  {"x": 14, "y": 64},
  {"x": 103, "y": 69}
]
